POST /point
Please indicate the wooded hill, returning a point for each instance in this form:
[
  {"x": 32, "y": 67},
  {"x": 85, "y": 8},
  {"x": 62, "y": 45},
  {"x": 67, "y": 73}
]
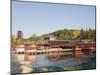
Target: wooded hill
[
  {"x": 64, "y": 34},
  {"x": 69, "y": 34}
]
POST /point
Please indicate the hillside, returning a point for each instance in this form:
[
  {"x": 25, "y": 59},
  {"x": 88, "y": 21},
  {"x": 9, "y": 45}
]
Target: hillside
[{"x": 64, "y": 34}]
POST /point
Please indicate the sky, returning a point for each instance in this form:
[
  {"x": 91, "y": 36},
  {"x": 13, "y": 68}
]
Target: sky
[{"x": 42, "y": 18}]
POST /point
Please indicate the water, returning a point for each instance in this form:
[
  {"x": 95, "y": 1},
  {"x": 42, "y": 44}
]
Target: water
[{"x": 45, "y": 63}]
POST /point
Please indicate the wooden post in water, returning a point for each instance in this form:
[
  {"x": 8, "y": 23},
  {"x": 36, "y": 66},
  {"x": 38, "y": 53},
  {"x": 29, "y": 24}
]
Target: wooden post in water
[{"x": 78, "y": 54}]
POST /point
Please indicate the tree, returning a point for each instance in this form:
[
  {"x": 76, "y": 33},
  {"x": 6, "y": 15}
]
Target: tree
[
  {"x": 75, "y": 34},
  {"x": 89, "y": 34},
  {"x": 34, "y": 38},
  {"x": 63, "y": 35},
  {"x": 13, "y": 40},
  {"x": 94, "y": 34},
  {"x": 82, "y": 34}
]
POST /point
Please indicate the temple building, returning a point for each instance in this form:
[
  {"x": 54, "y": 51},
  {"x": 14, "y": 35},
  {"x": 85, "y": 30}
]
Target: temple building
[{"x": 20, "y": 35}]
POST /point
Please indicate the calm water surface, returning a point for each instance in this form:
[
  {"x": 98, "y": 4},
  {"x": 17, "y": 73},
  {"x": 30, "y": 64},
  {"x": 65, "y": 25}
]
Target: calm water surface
[
  {"x": 43, "y": 61},
  {"x": 63, "y": 63}
]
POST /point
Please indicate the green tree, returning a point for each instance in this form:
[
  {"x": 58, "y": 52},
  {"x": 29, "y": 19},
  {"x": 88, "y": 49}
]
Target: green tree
[
  {"x": 82, "y": 34},
  {"x": 13, "y": 40},
  {"x": 62, "y": 36},
  {"x": 94, "y": 34},
  {"x": 34, "y": 38},
  {"x": 89, "y": 32}
]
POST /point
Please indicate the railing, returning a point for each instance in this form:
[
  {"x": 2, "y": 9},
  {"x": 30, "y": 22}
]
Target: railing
[{"x": 47, "y": 51}]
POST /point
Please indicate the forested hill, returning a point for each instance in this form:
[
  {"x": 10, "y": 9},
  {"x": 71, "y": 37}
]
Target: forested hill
[
  {"x": 69, "y": 34},
  {"x": 64, "y": 34}
]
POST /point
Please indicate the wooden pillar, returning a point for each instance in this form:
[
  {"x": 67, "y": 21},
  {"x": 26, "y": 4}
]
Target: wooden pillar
[
  {"x": 78, "y": 54},
  {"x": 26, "y": 55}
]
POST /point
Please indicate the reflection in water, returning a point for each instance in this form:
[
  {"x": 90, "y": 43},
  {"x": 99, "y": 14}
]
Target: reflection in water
[
  {"x": 47, "y": 61},
  {"x": 43, "y": 61}
]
